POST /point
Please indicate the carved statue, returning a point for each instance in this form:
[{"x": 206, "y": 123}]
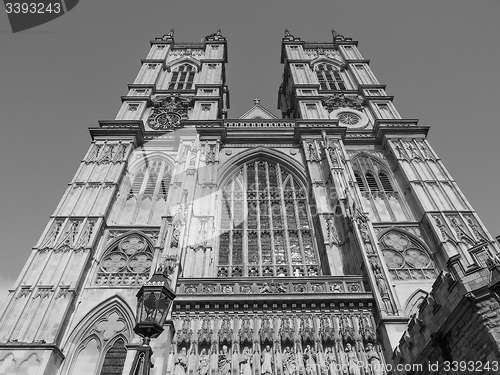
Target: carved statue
[
  {"x": 224, "y": 362},
  {"x": 351, "y": 360},
  {"x": 204, "y": 364},
  {"x": 310, "y": 359},
  {"x": 265, "y": 288},
  {"x": 374, "y": 367},
  {"x": 289, "y": 363},
  {"x": 384, "y": 292},
  {"x": 266, "y": 360},
  {"x": 331, "y": 361},
  {"x": 246, "y": 362},
  {"x": 180, "y": 364}
]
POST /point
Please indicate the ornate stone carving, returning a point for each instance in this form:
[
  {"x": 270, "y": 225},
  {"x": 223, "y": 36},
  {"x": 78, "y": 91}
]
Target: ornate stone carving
[
  {"x": 168, "y": 111},
  {"x": 307, "y": 330},
  {"x": 287, "y": 330},
  {"x": 266, "y": 332},
  {"x": 205, "y": 333},
  {"x": 246, "y": 332},
  {"x": 225, "y": 331},
  {"x": 337, "y": 101},
  {"x": 185, "y": 333}
]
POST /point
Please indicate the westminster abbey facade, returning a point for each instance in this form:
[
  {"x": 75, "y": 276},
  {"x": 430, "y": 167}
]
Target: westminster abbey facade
[{"x": 330, "y": 241}]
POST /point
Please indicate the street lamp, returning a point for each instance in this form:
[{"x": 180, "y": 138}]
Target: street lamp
[{"x": 153, "y": 302}]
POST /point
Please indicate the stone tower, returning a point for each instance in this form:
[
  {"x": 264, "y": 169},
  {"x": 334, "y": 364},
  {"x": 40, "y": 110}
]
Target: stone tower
[{"x": 329, "y": 241}]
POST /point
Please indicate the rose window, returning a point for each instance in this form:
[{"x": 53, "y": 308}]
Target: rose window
[
  {"x": 406, "y": 258},
  {"x": 128, "y": 263},
  {"x": 348, "y": 118}
]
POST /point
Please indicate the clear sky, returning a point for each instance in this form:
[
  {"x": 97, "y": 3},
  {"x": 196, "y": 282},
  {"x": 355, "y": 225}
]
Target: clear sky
[{"x": 438, "y": 58}]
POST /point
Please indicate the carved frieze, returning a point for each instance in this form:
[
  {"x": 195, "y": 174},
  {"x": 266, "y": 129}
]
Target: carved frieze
[
  {"x": 336, "y": 101},
  {"x": 168, "y": 111}
]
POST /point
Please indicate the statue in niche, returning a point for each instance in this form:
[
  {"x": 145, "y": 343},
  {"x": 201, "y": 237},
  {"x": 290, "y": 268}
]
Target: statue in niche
[
  {"x": 374, "y": 366},
  {"x": 266, "y": 361},
  {"x": 384, "y": 292},
  {"x": 246, "y": 361},
  {"x": 331, "y": 361},
  {"x": 310, "y": 359},
  {"x": 351, "y": 360},
  {"x": 181, "y": 361},
  {"x": 224, "y": 361},
  {"x": 289, "y": 363},
  {"x": 204, "y": 363}
]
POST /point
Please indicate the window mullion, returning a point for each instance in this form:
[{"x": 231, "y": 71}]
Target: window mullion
[{"x": 286, "y": 238}]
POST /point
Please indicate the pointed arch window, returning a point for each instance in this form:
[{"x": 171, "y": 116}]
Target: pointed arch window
[
  {"x": 329, "y": 77},
  {"x": 101, "y": 338},
  {"x": 115, "y": 359},
  {"x": 406, "y": 258},
  {"x": 380, "y": 198},
  {"x": 182, "y": 78},
  {"x": 265, "y": 224},
  {"x": 146, "y": 199},
  {"x": 127, "y": 262}
]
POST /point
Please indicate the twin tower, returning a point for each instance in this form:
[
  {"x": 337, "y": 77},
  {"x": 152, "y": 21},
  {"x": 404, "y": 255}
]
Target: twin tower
[{"x": 330, "y": 241}]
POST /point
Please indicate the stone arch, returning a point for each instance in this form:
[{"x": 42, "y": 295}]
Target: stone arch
[
  {"x": 8, "y": 364},
  {"x": 413, "y": 302},
  {"x": 184, "y": 60},
  {"x": 322, "y": 59},
  {"x": 111, "y": 320},
  {"x": 231, "y": 165},
  {"x": 145, "y": 158}
]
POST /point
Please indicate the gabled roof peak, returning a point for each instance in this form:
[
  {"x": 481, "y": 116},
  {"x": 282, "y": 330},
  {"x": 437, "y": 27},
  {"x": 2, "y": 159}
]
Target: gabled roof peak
[{"x": 257, "y": 112}]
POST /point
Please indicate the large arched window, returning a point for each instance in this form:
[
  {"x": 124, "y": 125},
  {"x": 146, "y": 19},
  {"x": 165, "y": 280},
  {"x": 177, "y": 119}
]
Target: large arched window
[
  {"x": 329, "y": 77},
  {"x": 97, "y": 346},
  {"x": 127, "y": 262},
  {"x": 380, "y": 197},
  {"x": 146, "y": 199},
  {"x": 266, "y": 227},
  {"x": 406, "y": 258},
  {"x": 182, "y": 78}
]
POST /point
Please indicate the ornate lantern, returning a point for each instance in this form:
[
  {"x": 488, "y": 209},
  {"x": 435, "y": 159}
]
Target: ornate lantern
[{"x": 153, "y": 302}]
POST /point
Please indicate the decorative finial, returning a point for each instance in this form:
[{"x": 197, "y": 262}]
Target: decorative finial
[
  {"x": 337, "y": 36},
  {"x": 256, "y": 101},
  {"x": 170, "y": 33},
  {"x": 287, "y": 33},
  {"x": 215, "y": 36}
]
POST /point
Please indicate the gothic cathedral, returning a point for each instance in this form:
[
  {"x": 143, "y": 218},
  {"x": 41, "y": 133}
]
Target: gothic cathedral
[{"x": 330, "y": 241}]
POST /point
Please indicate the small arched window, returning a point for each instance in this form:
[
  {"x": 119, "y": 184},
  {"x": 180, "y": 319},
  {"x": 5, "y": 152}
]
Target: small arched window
[
  {"x": 329, "y": 77},
  {"x": 359, "y": 181},
  {"x": 146, "y": 199},
  {"x": 127, "y": 262},
  {"x": 115, "y": 359},
  {"x": 406, "y": 258},
  {"x": 384, "y": 180},
  {"x": 372, "y": 183},
  {"x": 182, "y": 78},
  {"x": 380, "y": 198},
  {"x": 265, "y": 226}
]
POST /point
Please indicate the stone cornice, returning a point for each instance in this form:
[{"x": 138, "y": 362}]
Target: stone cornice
[{"x": 33, "y": 346}]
